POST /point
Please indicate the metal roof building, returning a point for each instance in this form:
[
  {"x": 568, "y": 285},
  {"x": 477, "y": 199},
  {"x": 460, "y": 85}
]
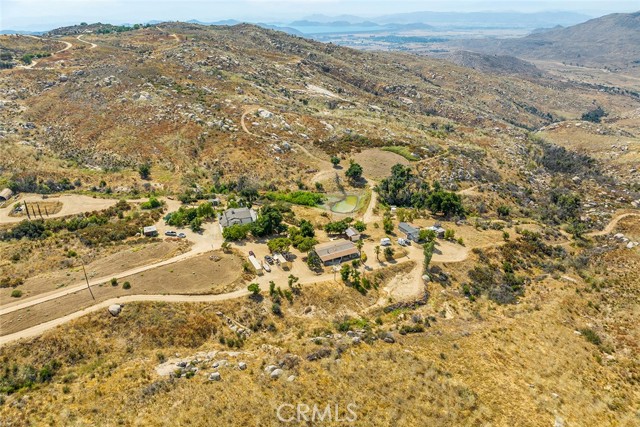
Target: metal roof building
[
  {"x": 5, "y": 194},
  {"x": 410, "y": 231},
  {"x": 336, "y": 251}
]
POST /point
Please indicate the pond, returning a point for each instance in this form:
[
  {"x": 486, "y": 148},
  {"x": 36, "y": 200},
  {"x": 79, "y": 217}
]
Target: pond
[{"x": 346, "y": 205}]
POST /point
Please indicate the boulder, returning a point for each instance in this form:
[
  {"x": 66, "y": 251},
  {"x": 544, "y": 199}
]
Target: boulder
[
  {"x": 270, "y": 368},
  {"x": 242, "y": 366},
  {"x": 388, "y": 338},
  {"x": 291, "y": 378},
  {"x": 115, "y": 309},
  {"x": 215, "y": 376},
  {"x": 277, "y": 373},
  {"x": 63, "y": 78}
]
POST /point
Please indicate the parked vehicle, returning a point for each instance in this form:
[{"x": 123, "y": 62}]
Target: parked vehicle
[
  {"x": 266, "y": 267},
  {"x": 269, "y": 259},
  {"x": 385, "y": 241},
  {"x": 404, "y": 242},
  {"x": 251, "y": 253},
  {"x": 182, "y": 235},
  {"x": 170, "y": 233}
]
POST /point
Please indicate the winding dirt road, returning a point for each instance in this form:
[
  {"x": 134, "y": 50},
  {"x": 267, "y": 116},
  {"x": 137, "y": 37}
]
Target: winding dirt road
[
  {"x": 92, "y": 45},
  {"x": 612, "y": 224},
  {"x": 35, "y": 62}
]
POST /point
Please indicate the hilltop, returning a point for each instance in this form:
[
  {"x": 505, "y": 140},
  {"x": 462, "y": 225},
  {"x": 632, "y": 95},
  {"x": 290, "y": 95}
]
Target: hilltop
[{"x": 611, "y": 41}]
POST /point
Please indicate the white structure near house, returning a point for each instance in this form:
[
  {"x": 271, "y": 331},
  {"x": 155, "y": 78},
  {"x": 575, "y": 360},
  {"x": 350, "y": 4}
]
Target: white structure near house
[
  {"x": 257, "y": 266},
  {"x": 150, "y": 231},
  {"x": 438, "y": 230},
  {"x": 352, "y": 234},
  {"x": 237, "y": 216}
]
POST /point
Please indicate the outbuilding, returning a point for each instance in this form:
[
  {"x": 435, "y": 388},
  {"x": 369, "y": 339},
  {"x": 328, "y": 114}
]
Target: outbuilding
[
  {"x": 257, "y": 267},
  {"x": 352, "y": 234},
  {"x": 282, "y": 261},
  {"x": 336, "y": 251},
  {"x": 5, "y": 195},
  {"x": 438, "y": 230},
  {"x": 410, "y": 231},
  {"x": 150, "y": 231}
]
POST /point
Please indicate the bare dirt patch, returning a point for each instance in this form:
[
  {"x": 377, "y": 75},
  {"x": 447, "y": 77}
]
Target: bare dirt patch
[
  {"x": 377, "y": 164},
  {"x": 198, "y": 275},
  {"x": 127, "y": 259}
]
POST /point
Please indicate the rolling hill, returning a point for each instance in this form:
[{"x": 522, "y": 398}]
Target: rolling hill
[{"x": 611, "y": 41}]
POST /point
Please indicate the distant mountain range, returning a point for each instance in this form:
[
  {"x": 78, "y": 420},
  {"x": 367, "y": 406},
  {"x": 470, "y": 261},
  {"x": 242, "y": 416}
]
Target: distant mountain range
[
  {"x": 468, "y": 19},
  {"x": 314, "y": 24},
  {"x": 612, "y": 40}
]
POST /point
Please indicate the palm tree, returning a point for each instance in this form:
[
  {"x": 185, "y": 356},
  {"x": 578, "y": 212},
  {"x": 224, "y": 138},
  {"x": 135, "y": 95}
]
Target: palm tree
[{"x": 377, "y": 251}]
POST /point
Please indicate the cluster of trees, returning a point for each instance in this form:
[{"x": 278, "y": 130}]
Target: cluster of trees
[
  {"x": 351, "y": 276},
  {"x": 339, "y": 227},
  {"x": 269, "y": 222},
  {"x": 152, "y": 203},
  {"x": 404, "y": 189},
  {"x": 31, "y": 183},
  {"x": 594, "y": 115},
  {"x": 304, "y": 198},
  {"x": 93, "y": 228},
  {"x": 191, "y": 217}
]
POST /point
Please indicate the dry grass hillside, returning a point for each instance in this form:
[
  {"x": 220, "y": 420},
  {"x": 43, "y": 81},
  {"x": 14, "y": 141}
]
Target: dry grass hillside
[
  {"x": 526, "y": 315},
  {"x": 187, "y": 99}
]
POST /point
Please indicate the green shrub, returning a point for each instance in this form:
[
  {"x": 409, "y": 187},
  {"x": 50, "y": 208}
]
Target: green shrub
[
  {"x": 591, "y": 336},
  {"x": 126, "y": 285},
  {"x": 114, "y": 282},
  {"x": 16, "y": 293}
]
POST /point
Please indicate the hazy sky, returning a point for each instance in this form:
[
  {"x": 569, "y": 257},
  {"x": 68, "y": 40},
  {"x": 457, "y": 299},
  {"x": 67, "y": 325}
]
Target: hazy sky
[{"x": 45, "y": 14}]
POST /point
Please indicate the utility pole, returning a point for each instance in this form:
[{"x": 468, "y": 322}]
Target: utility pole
[{"x": 87, "y": 280}]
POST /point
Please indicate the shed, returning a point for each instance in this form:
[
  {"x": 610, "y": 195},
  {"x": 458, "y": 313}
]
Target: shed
[
  {"x": 257, "y": 267},
  {"x": 352, "y": 234},
  {"x": 5, "y": 195},
  {"x": 282, "y": 261},
  {"x": 150, "y": 231},
  {"x": 336, "y": 252},
  {"x": 438, "y": 230},
  {"x": 410, "y": 231}
]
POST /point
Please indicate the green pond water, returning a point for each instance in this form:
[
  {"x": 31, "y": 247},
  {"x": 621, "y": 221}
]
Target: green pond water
[{"x": 346, "y": 205}]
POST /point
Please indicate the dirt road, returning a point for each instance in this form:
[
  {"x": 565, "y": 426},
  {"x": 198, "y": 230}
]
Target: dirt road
[
  {"x": 612, "y": 224},
  {"x": 34, "y": 62},
  {"x": 91, "y": 45},
  {"x": 208, "y": 240}
]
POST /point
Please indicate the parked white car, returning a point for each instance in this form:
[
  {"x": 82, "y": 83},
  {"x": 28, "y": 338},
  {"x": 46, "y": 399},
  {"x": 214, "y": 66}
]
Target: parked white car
[
  {"x": 385, "y": 241},
  {"x": 266, "y": 267}
]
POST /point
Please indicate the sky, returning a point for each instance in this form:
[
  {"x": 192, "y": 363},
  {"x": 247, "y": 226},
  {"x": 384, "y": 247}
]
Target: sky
[{"x": 46, "y": 14}]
